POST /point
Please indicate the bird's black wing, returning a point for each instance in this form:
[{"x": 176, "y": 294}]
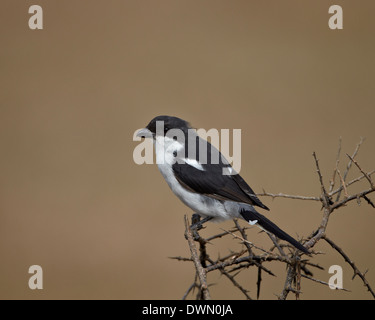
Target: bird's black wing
[
  {"x": 249, "y": 192},
  {"x": 213, "y": 183}
]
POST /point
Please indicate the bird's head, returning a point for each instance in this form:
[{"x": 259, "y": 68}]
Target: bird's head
[{"x": 160, "y": 125}]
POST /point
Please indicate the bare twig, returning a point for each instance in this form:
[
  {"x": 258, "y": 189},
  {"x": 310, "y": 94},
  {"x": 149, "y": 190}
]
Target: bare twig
[
  {"x": 246, "y": 241},
  {"x": 350, "y": 164},
  {"x": 193, "y": 285},
  {"x": 291, "y": 273},
  {"x": 282, "y": 195},
  {"x": 243, "y": 234},
  {"x": 321, "y": 282},
  {"x": 343, "y": 202},
  {"x": 351, "y": 263},
  {"x": 343, "y": 183},
  {"x": 225, "y": 233},
  {"x": 325, "y": 198},
  {"x": 181, "y": 258},
  {"x": 364, "y": 173},
  {"x": 332, "y": 182},
  {"x": 369, "y": 201},
  {"x": 276, "y": 244},
  {"x": 351, "y": 182},
  {"x": 254, "y": 260},
  {"x": 198, "y": 266},
  {"x": 235, "y": 283}
]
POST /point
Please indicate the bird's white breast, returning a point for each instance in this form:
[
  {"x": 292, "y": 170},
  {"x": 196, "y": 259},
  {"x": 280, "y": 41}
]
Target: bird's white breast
[{"x": 165, "y": 149}]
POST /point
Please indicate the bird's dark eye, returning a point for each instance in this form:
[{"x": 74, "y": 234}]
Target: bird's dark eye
[{"x": 175, "y": 153}]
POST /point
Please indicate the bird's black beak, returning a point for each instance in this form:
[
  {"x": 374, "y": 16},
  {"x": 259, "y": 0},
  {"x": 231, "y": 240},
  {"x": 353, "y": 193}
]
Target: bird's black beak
[{"x": 144, "y": 133}]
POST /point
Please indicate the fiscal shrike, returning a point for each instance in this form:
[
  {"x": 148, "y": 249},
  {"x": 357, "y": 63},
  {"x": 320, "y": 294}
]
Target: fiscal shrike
[{"x": 201, "y": 177}]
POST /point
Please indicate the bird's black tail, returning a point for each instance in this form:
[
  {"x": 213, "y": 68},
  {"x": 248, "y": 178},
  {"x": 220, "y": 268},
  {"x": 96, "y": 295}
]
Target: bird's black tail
[{"x": 262, "y": 221}]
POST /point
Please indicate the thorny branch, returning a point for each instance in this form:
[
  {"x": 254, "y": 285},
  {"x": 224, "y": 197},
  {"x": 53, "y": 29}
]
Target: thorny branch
[
  {"x": 352, "y": 264},
  {"x": 297, "y": 265},
  {"x": 205, "y": 294}
]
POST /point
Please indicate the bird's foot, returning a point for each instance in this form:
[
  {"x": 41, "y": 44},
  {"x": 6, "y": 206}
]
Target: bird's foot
[{"x": 197, "y": 223}]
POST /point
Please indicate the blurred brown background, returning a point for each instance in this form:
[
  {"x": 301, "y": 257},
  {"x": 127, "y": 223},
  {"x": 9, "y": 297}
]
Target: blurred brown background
[{"x": 73, "y": 201}]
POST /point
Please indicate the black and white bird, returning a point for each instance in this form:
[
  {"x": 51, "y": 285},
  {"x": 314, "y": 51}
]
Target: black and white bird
[{"x": 203, "y": 179}]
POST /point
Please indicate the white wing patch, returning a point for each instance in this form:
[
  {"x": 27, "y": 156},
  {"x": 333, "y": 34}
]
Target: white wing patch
[
  {"x": 194, "y": 163},
  {"x": 252, "y": 222}
]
